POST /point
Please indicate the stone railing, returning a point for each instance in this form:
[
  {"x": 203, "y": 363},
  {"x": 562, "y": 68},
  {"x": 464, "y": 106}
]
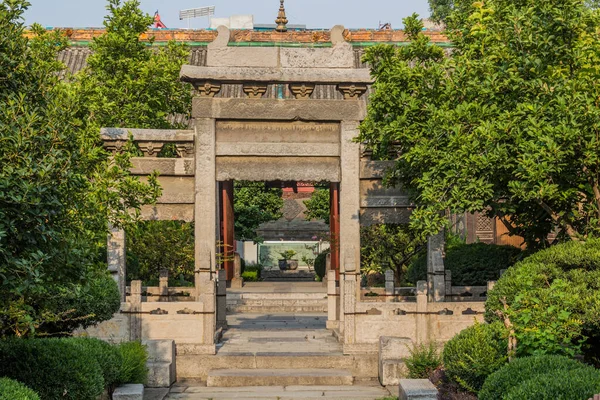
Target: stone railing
[{"x": 150, "y": 141}]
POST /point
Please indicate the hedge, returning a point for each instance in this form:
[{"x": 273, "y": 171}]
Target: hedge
[
  {"x": 54, "y": 368},
  {"x": 13, "y": 390},
  {"x": 108, "y": 357},
  {"x": 578, "y": 384},
  {"x": 522, "y": 369},
  {"x": 471, "y": 264},
  {"x": 476, "y": 352},
  {"x": 133, "y": 369}
]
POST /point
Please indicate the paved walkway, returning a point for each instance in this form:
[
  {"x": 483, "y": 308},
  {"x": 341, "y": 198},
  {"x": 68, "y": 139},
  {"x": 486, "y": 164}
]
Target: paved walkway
[{"x": 199, "y": 392}]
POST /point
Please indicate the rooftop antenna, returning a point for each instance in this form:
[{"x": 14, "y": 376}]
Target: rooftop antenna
[
  {"x": 281, "y": 20},
  {"x": 196, "y": 13}
]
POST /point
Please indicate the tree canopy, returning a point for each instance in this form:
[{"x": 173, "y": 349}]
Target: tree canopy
[
  {"x": 507, "y": 123},
  {"x": 254, "y": 204}
]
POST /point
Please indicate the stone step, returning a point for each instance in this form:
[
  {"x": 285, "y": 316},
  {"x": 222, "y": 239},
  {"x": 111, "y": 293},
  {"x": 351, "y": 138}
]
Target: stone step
[
  {"x": 253, "y": 309},
  {"x": 275, "y": 296},
  {"x": 278, "y": 377}
]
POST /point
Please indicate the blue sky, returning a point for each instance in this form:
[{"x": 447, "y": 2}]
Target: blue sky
[{"x": 313, "y": 13}]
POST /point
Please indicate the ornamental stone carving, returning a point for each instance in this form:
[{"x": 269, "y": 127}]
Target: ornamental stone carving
[
  {"x": 207, "y": 88},
  {"x": 255, "y": 90},
  {"x": 352, "y": 91},
  {"x": 151, "y": 149},
  {"x": 114, "y": 146},
  {"x": 185, "y": 150},
  {"x": 302, "y": 90}
]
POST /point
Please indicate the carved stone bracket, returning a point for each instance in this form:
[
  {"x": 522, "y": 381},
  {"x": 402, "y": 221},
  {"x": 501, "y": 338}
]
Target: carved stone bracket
[
  {"x": 150, "y": 149},
  {"x": 302, "y": 90},
  {"x": 255, "y": 90},
  {"x": 207, "y": 88},
  {"x": 352, "y": 91},
  {"x": 185, "y": 150},
  {"x": 114, "y": 146}
]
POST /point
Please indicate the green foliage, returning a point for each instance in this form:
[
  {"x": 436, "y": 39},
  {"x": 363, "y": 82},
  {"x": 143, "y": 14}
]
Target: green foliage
[
  {"x": 13, "y": 390},
  {"x": 154, "y": 245},
  {"x": 552, "y": 298},
  {"x": 471, "y": 264},
  {"x": 255, "y": 204},
  {"x": 476, "y": 352},
  {"x": 388, "y": 246},
  {"x": 576, "y": 384},
  {"x": 128, "y": 84},
  {"x": 287, "y": 254},
  {"x": 54, "y": 368},
  {"x": 251, "y": 276},
  {"x": 318, "y": 207},
  {"x": 108, "y": 357},
  {"x": 321, "y": 264},
  {"x": 523, "y": 369},
  {"x": 133, "y": 369},
  {"x": 440, "y": 9},
  {"x": 82, "y": 305},
  {"x": 58, "y": 189},
  {"x": 505, "y": 124},
  {"x": 424, "y": 359}
]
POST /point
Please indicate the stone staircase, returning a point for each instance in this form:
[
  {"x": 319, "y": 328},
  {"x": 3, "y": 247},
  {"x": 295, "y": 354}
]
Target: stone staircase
[{"x": 261, "y": 303}]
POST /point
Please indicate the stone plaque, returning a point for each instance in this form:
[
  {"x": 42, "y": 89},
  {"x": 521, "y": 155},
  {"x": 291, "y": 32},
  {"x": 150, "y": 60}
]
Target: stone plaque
[{"x": 277, "y": 132}]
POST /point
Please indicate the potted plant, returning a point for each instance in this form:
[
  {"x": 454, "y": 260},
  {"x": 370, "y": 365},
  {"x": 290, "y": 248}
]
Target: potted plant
[
  {"x": 310, "y": 262},
  {"x": 287, "y": 261}
]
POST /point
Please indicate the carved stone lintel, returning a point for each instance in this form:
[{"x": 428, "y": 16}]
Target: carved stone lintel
[
  {"x": 207, "y": 88},
  {"x": 150, "y": 149},
  {"x": 255, "y": 90},
  {"x": 302, "y": 90},
  {"x": 185, "y": 150},
  {"x": 352, "y": 91},
  {"x": 114, "y": 146}
]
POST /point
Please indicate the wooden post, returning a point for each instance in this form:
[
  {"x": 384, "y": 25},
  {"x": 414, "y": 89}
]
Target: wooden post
[
  {"x": 334, "y": 226},
  {"x": 227, "y": 228}
]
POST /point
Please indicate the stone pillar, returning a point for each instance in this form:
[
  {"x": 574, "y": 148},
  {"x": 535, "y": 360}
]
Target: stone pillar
[
  {"x": 421, "y": 319},
  {"x": 163, "y": 285},
  {"x": 332, "y": 301},
  {"x": 334, "y": 227},
  {"x": 328, "y": 268},
  {"x": 135, "y": 318},
  {"x": 389, "y": 286},
  {"x": 208, "y": 299},
  {"x": 448, "y": 283},
  {"x": 237, "y": 282},
  {"x": 205, "y": 211},
  {"x": 222, "y": 299},
  {"x": 116, "y": 259},
  {"x": 436, "y": 277},
  {"x": 349, "y": 309},
  {"x": 349, "y": 237}
]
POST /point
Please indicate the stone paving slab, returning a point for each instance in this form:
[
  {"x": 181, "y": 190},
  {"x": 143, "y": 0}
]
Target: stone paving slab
[{"x": 199, "y": 392}]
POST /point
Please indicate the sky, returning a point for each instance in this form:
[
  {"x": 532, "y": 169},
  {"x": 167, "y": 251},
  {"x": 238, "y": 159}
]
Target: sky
[{"x": 324, "y": 14}]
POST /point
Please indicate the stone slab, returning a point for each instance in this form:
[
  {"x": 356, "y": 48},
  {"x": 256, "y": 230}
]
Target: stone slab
[
  {"x": 417, "y": 389},
  {"x": 129, "y": 392},
  {"x": 159, "y": 135},
  {"x": 278, "y": 168},
  {"x": 155, "y": 393},
  {"x": 279, "y": 377},
  {"x": 164, "y": 166}
]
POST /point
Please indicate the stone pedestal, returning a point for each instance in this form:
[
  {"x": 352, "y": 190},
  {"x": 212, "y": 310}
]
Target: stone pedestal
[
  {"x": 161, "y": 363},
  {"x": 421, "y": 389},
  {"x": 129, "y": 392},
  {"x": 392, "y": 353}
]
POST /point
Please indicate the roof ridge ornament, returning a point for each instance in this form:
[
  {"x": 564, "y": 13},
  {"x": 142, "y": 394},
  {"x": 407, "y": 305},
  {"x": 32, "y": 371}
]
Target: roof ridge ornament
[{"x": 281, "y": 20}]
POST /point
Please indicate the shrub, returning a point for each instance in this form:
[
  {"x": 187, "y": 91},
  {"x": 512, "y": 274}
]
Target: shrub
[
  {"x": 521, "y": 370},
  {"x": 472, "y": 355},
  {"x": 133, "y": 369},
  {"x": 578, "y": 384},
  {"x": 424, "y": 359},
  {"x": 108, "y": 357},
  {"x": 83, "y": 305},
  {"x": 250, "y": 276},
  {"x": 552, "y": 298},
  {"x": 321, "y": 264},
  {"x": 471, "y": 264},
  {"x": 13, "y": 390},
  {"x": 54, "y": 368}
]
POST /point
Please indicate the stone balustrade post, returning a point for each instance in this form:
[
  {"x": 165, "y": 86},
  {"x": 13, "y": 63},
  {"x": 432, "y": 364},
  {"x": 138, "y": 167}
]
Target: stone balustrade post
[
  {"x": 421, "y": 319},
  {"x": 237, "y": 282},
  {"x": 135, "y": 318},
  {"x": 116, "y": 258},
  {"x": 389, "y": 286},
  {"x": 222, "y": 299},
  {"x": 333, "y": 298},
  {"x": 163, "y": 285},
  {"x": 448, "y": 282},
  {"x": 436, "y": 277}
]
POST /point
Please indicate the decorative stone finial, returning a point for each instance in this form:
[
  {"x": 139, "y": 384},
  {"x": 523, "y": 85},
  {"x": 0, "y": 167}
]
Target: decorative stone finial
[{"x": 281, "y": 20}]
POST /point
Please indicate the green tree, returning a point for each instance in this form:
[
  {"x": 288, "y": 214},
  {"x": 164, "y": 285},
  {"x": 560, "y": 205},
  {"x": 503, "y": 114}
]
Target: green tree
[
  {"x": 58, "y": 188},
  {"x": 318, "y": 206},
  {"x": 255, "y": 204},
  {"x": 507, "y": 124},
  {"x": 440, "y": 9},
  {"x": 127, "y": 83}
]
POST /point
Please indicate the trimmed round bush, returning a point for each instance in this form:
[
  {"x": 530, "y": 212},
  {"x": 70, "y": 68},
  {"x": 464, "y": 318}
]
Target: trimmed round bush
[
  {"x": 476, "y": 352},
  {"x": 133, "y": 369},
  {"x": 577, "y": 384},
  {"x": 108, "y": 357},
  {"x": 54, "y": 368},
  {"x": 522, "y": 369},
  {"x": 471, "y": 264},
  {"x": 321, "y": 264},
  {"x": 13, "y": 390}
]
